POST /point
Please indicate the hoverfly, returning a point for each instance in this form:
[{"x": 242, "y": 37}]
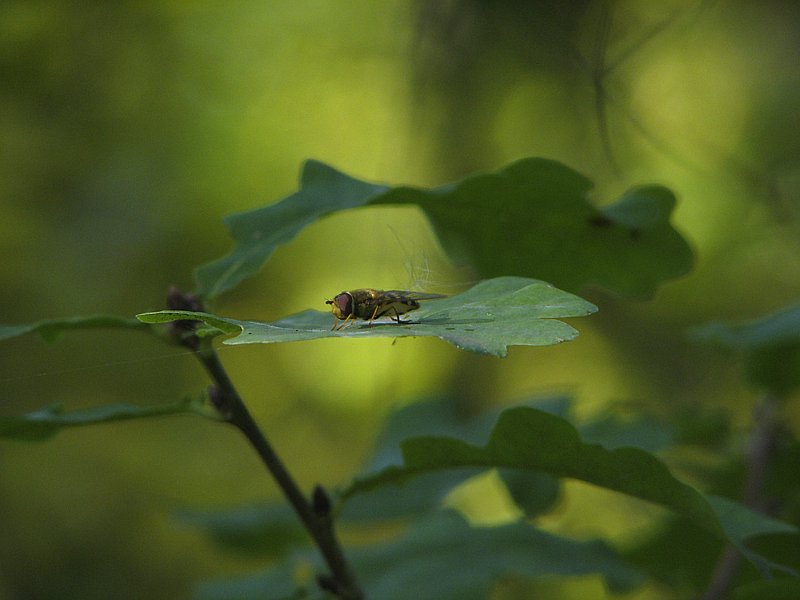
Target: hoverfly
[{"x": 369, "y": 304}]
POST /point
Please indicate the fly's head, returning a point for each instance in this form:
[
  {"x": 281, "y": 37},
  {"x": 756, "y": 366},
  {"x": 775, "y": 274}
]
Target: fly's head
[{"x": 341, "y": 305}]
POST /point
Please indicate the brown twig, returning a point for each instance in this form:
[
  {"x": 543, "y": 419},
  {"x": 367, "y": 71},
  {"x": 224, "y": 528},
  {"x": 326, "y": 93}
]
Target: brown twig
[
  {"x": 314, "y": 512},
  {"x": 758, "y": 455}
]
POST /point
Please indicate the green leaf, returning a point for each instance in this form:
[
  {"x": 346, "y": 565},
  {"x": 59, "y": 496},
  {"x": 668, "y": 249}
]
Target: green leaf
[
  {"x": 770, "y": 345},
  {"x": 260, "y": 530},
  {"x": 47, "y": 422},
  {"x": 488, "y": 318},
  {"x": 775, "y": 329},
  {"x": 51, "y": 329},
  {"x": 533, "y": 492},
  {"x": 612, "y": 431},
  {"x": 259, "y": 232},
  {"x": 528, "y": 439},
  {"x": 442, "y": 558},
  {"x": 531, "y": 218},
  {"x": 776, "y": 589},
  {"x": 277, "y": 583},
  {"x": 741, "y": 524},
  {"x": 677, "y": 553},
  {"x": 775, "y": 543},
  {"x": 424, "y": 493}
]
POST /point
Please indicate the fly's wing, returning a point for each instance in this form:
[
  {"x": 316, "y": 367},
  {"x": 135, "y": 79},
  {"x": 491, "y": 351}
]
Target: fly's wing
[
  {"x": 398, "y": 302},
  {"x": 401, "y": 295},
  {"x": 372, "y": 304}
]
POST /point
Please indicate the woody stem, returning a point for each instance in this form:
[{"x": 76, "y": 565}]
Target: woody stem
[{"x": 316, "y": 516}]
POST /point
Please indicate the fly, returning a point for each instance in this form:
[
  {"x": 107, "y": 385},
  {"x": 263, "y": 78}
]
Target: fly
[{"x": 369, "y": 304}]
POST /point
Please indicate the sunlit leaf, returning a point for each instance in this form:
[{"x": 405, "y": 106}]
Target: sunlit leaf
[
  {"x": 488, "y": 318},
  {"x": 531, "y": 218}
]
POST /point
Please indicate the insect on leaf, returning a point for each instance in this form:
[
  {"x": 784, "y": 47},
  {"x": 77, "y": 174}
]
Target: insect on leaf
[{"x": 487, "y": 319}]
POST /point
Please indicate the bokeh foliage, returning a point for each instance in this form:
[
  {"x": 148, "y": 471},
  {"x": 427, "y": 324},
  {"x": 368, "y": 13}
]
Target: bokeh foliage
[{"x": 128, "y": 130}]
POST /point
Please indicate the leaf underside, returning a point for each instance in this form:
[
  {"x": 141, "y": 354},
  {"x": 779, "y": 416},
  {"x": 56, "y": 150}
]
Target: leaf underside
[{"x": 531, "y": 218}]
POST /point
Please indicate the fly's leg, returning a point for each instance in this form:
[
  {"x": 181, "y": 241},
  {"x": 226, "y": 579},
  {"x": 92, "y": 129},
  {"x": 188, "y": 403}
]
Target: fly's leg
[
  {"x": 396, "y": 318},
  {"x": 374, "y": 313},
  {"x": 342, "y": 326}
]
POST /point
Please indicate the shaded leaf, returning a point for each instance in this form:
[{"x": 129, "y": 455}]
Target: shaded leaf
[
  {"x": 259, "y": 232},
  {"x": 45, "y": 423},
  {"x": 441, "y": 557},
  {"x": 770, "y": 345},
  {"x": 262, "y": 529},
  {"x": 772, "y": 330},
  {"x": 487, "y": 318},
  {"x": 277, "y": 583},
  {"x": 52, "y": 328},
  {"x": 424, "y": 493},
  {"x": 533, "y": 492},
  {"x": 781, "y": 548},
  {"x": 531, "y": 218},
  {"x": 776, "y": 589},
  {"x": 686, "y": 571},
  {"x": 611, "y": 431},
  {"x": 741, "y": 524},
  {"x": 528, "y": 439}
]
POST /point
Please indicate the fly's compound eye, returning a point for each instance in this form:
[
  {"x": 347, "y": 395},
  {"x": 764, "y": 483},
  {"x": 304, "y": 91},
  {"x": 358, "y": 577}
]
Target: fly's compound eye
[
  {"x": 344, "y": 302},
  {"x": 342, "y": 305}
]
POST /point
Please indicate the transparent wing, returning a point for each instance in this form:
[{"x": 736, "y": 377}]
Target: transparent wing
[{"x": 403, "y": 295}]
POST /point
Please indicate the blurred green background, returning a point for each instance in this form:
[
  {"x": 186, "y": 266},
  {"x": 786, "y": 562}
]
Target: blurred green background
[{"x": 128, "y": 129}]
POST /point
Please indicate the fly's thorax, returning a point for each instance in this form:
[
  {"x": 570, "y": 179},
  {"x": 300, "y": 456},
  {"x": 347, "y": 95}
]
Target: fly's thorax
[{"x": 364, "y": 302}]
